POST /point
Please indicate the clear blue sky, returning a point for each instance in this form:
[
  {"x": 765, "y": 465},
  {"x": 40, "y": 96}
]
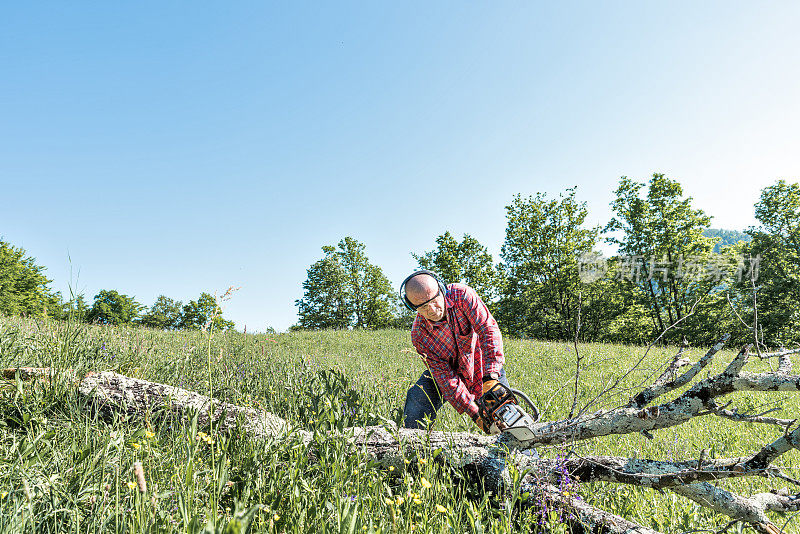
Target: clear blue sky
[{"x": 179, "y": 147}]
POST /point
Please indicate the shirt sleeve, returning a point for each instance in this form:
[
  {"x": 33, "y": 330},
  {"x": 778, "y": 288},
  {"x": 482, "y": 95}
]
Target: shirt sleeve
[
  {"x": 450, "y": 384},
  {"x": 489, "y": 336}
]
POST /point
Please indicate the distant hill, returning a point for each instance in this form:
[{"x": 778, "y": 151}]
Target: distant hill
[{"x": 726, "y": 237}]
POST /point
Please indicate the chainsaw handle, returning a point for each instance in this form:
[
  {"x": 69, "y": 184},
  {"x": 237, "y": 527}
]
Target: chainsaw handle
[{"x": 534, "y": 410}]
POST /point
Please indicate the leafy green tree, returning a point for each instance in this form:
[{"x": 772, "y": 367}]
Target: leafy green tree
[
  {"x": 325, "y": 302},
  {"x": 23, "y": 285},
  {"x": 344, "y": 290},
  {"x": 725, "y": 238},
  {"x": 776, "y": 250},
  {"x": 544, "y": 240},
  {"x": 661, "y": 238},
  {"x": 467, "y": 262},
  {"x": 610, "y": 309},
  {"x": 205, "y": 310},
  {"x": 165, "y": 314},
  {"x": 112, "y": 307},
  {"x": 370, "y": 292}
]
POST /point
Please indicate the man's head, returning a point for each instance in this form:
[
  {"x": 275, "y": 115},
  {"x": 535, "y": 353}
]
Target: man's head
[{"x": 423, "y": 292}]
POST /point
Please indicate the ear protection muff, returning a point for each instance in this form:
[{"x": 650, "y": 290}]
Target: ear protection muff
[{"x": 432, "y": 274}]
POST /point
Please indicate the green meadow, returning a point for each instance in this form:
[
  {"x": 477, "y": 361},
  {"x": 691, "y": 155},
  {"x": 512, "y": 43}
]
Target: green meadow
[{"x": 67, "y": 469}]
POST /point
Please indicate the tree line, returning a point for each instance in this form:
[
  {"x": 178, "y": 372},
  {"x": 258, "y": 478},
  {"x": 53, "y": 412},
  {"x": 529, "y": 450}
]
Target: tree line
[
  {"x": 24, "y": 290},
  {"x": 672, "y": 275}
]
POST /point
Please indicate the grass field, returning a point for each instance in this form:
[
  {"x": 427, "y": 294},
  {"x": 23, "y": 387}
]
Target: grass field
[{"x": 66, "y": 470}]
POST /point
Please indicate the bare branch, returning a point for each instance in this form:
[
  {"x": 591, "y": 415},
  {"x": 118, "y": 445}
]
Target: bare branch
[
  {"x": 590, "y": 518},
  {"x": 654, "y": 473},
  {"x": 733, "y": 309},
  {"x": 779, "y": 354},
  {"x": 730, "y": 504},
  {"x": 785, "y": 364},
  {"x": 787, "y": 478},
  {"x": 784, "y": 361},
  {"x": 678, "y": 362},
  {"x": 738, "y": 362},
  {"x": 667, "y": 381},
  {"x": 612, "y": 385},
  {"x": 778, "y": 501},
  {"x": 733, "y": 415},
  {"x": 769, "y": 453},
  {"x": 690, "y": 404}
]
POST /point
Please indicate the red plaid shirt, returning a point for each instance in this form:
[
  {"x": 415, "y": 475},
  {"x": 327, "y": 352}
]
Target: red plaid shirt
[{"x": 460, "y": 349}]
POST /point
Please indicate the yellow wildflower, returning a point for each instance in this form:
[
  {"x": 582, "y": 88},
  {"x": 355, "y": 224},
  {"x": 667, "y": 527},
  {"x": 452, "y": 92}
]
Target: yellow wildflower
[
  {"x": 3, "y": 495},
  {"x": 276, "y": 517},
  {"x": 423, "y": 461},
  {"x": 389, "y": 501},
  {"x": 406, "y": 461},
  {"x": 136, "y": 445},
  {"x": 148, "y": 434},
  {"x": 424, "y": 482},
  {"x": 391, "y": 468},
  {"x": 441, "y": 509},
  {"x": 399, "y": 500},
  {"x": 417, "y": 500},
  {"x": 131, "y": 485}
]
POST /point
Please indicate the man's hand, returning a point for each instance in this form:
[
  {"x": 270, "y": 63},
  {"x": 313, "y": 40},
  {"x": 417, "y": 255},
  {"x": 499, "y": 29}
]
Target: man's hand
[
  {"x": 480, "y": 424},
  {"x": 489, "y": 381}
]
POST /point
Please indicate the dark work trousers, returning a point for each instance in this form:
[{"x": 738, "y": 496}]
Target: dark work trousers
[{"x": 424, "y": 399}]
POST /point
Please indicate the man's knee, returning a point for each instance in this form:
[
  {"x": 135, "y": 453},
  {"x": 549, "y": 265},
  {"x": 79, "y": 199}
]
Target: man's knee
[
  {"x": 416, "y": 413},
  {"x": 422, "y": 403},
  {"x": 418, "y": 422}
]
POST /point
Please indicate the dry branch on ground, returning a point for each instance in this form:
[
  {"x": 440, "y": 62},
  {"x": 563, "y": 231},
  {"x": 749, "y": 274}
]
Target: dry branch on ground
[{"x": 490, "y": 457}]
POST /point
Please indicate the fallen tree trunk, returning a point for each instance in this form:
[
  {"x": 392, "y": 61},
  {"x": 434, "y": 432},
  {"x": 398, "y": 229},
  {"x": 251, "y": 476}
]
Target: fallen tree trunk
[
  {"x": 490, "y": 457},
  {"x": 471, "y": 453}
]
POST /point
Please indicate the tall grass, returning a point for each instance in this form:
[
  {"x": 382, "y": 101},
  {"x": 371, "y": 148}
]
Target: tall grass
[{"x": 68, "y": 469}]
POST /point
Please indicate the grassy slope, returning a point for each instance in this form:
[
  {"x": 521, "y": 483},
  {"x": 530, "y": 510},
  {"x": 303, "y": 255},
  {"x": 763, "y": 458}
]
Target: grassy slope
[{"x": 77, "y": 468}]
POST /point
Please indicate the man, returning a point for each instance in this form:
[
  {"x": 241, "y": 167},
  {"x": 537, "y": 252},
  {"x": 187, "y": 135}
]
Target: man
[{"x": 461, "y": 344}]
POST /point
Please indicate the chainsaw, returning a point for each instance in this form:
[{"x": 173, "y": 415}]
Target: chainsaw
[{"x": 501, "y": 413}]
